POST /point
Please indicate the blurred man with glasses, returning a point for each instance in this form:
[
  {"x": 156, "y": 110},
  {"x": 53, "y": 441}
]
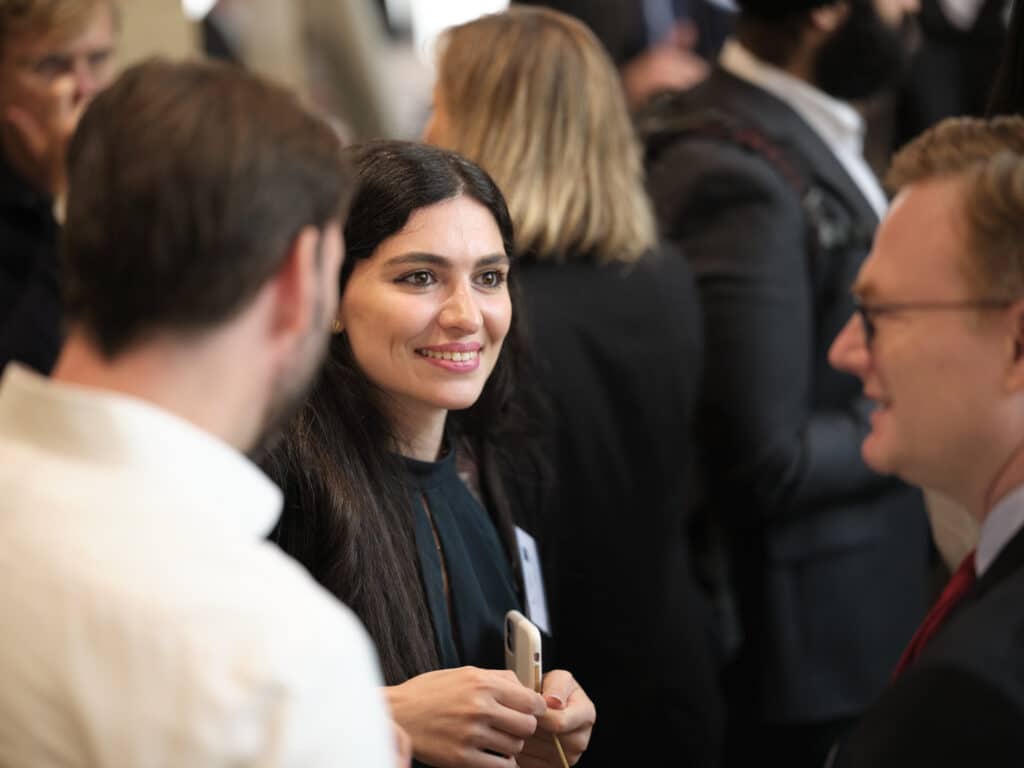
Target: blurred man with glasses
[
  {"x": 938, "y": 343},
  {"x": 55, "y": 55}
]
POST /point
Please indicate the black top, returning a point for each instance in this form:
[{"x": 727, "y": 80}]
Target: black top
[
  {"x": 30, "y": 309},
  {"x": 618, "y": 353},
  {"x": 481, "y": 586}
]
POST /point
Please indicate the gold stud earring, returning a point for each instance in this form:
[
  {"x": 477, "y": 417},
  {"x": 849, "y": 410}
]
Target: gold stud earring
[{"x": 337, "y": 326}]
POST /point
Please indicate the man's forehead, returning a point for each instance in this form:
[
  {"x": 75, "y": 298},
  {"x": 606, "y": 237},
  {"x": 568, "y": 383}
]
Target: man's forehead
[
  {"x": 94, "y": 26},
  {"x": 920, "y": 244}
]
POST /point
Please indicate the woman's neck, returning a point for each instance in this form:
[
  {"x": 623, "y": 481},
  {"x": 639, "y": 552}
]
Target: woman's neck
[{"x": 420, "y": 432}]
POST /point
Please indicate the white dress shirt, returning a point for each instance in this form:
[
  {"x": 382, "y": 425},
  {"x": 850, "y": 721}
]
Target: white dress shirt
[
  {"x": 1003, "y": 522},
  {"x": 836, "y": 122},
  {"x": 145, "y": 621}
]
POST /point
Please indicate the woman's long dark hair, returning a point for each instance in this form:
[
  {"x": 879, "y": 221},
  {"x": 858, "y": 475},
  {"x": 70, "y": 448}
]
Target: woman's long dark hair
[{"x": 347, "y": 515}]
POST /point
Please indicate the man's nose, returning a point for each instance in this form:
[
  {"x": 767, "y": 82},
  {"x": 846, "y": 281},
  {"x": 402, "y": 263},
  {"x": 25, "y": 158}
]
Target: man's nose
[
  {"x": 849, "y": 352},
  {"x": 87, "y": 80}
]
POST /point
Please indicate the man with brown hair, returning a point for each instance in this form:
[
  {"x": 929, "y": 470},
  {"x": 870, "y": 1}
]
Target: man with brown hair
[
  {"x": 938, "y": 343},
  {"x": 146, "y": 620},
  {"x": 54, "y": 57}
]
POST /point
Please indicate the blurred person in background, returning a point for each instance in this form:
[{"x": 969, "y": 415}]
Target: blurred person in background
[
  {"x": 393, "y": 469},
  {"x": 55, "y": 55},
  {"x": 758, "y": 176},
  {"x": 146, "y": 619},
  {"x": 954, "y": 65},
  {"x": 614, "y": 330},
  {"x": 656, "y": 44},
  {"x": 1007, "y": 96}
]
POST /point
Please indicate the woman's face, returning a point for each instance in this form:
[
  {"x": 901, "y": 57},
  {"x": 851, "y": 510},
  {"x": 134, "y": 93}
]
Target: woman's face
[{"x": 427, "y": 313}]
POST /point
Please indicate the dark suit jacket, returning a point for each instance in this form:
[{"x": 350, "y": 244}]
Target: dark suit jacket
[
  {"x": 962, "y": 703},
  {"x": 30, "y": 307},
  {"x": 951, "y": 70},
  {"x": 816, "y": 539},
  {"x": 618, "y": 353}
]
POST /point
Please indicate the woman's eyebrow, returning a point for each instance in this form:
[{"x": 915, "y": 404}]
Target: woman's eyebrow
[
  {"x": 435, "y": 260},
  {"x": 419, "y": 258},
  {"x": 489, "y": 261}
]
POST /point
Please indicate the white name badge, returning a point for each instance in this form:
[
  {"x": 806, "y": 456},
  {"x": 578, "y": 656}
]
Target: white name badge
[{"x": 533, "y": 580}]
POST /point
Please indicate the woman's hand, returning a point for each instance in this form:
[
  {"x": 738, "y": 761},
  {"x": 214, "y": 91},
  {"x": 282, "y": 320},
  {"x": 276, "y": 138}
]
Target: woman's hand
[
  {"x": 466, "y": 717},
  {"x": 570, "y": 716}
]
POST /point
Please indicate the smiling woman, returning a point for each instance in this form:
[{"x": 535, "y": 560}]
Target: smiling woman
[
  {"x": 427, "y": 314},
  {"x": 417, "y": 389}
]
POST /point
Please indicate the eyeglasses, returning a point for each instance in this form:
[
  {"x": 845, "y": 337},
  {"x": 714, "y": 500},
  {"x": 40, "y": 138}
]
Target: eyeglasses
[{"x": 869, "y": 313}]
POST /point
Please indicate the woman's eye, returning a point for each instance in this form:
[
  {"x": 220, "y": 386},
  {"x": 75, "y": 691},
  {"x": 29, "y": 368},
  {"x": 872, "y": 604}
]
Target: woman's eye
[
  {"x": 492, "y": 278},
  {"x": 418, "y": 279}
]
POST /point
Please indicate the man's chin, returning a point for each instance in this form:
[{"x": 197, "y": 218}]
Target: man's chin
[{"x": 876, "y": 456}]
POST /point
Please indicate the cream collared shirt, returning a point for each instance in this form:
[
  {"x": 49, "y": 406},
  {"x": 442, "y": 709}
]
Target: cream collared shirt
[
  {"x": 145, "y": 621},
  {"x": 1002, "y": 523},
  {"x": 836, "y": 123}
]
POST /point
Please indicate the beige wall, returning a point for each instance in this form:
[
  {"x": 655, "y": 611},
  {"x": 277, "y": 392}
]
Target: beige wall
[
  {"x": 155, "y": 26},
  {"x": 274, "y": 44}
]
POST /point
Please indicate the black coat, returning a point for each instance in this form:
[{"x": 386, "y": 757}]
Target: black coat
[
  {"x": 618, "y": 352},
  {"x": 828, "y": 559},
  {"x": 962, "y": 702},
  {"x": 30, "y": 306}
]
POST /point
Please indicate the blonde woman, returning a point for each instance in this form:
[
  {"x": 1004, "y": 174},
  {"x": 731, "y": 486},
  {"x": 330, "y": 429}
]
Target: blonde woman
[{"x": 613, "y": 325}]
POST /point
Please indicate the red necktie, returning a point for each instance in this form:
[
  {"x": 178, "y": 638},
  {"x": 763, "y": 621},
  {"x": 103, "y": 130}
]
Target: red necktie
[{"x": 954, "y": 592}]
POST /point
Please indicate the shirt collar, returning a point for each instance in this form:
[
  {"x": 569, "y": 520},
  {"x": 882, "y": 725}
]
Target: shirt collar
[
  {"x": 185, "y": 471},
  {"x": 1002, "y": 523},
  {"x": 835, "y": 121}
]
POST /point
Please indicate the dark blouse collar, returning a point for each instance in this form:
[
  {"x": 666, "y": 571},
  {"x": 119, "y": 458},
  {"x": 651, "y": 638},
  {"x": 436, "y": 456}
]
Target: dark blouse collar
[{"x": 431, "y": 474}]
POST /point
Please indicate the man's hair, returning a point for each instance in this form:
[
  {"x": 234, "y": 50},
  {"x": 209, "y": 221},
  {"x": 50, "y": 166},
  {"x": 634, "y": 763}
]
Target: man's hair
[
  {"x": 188, "y": 184},
  {"x": 773, "y": 41},
  {"x": 38, "y": 17},
  {"x": 532, "y": 97},
  {"x": 988, "y": 156}
]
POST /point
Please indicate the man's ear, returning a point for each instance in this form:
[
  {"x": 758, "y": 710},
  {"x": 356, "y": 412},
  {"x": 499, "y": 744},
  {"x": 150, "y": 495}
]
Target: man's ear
[
  {"x": 828, "y": 18},
  {"x": 294, "y": 286},
  {"x": 1015, "y": 349}
]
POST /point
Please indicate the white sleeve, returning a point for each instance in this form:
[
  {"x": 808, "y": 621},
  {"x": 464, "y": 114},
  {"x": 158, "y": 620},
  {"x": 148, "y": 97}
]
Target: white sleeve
[{"x": 337, "y": 714}]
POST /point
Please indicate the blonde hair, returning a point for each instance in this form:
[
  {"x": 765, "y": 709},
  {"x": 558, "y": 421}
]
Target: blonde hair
[
  {"x": 531, "y": 96},
  {"x": 988, "y": 156},
  {"x": 39, "y": 17}
]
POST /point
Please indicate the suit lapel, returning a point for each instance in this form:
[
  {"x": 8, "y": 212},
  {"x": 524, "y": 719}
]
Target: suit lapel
[{"x": 1007, "y": 562}]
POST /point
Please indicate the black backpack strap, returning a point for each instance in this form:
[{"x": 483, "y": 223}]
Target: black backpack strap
[
  {"x": 662, "y": 130},
  {"x": 670, "y": 120}
]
